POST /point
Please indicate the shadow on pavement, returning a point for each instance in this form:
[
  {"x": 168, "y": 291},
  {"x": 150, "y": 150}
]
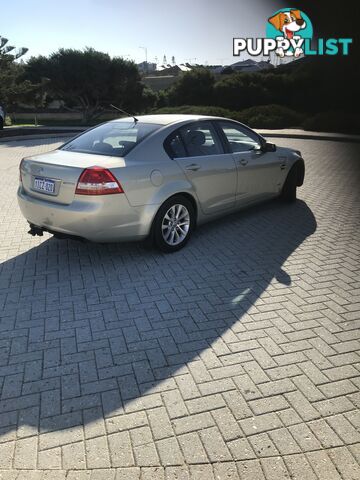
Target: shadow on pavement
[{"x": 98, "y": 326}]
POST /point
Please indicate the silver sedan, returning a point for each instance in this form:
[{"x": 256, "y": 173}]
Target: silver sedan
[{"x": 153, "y": 177}]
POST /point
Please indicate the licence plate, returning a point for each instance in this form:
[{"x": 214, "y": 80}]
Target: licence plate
[{"x": 44, "y": 185}]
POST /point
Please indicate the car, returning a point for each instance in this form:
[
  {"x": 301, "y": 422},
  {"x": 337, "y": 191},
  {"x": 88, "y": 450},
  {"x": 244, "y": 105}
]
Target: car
[
  {"x": 153, "y": 177},
  {"x": 2, "y": 117}
]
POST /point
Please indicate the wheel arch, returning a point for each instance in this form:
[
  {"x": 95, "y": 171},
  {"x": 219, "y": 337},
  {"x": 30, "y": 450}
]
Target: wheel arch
[
  {"x": 188, "y": 196},
  {"x": 191, "y": 200}
]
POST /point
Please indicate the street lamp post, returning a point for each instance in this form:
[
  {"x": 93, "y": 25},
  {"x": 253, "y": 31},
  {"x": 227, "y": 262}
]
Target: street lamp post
[{"x": 146, "y": 58}]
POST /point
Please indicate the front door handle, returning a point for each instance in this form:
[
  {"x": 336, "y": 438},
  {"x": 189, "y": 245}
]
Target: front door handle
[
  {"x": 193, "y": 166},
  {"x": 242, "y": 161},
  {"x": 283, "y": 166}
]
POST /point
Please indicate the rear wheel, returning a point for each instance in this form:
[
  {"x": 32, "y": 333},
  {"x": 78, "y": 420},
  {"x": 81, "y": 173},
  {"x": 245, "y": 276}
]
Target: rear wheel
[
  {"x": 288, "y": 193},
  {"x": 173, "y": 224}
]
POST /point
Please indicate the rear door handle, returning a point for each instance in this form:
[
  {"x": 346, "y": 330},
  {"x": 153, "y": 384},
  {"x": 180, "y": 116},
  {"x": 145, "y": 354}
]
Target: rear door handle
[{"x": 193, "y": 166}]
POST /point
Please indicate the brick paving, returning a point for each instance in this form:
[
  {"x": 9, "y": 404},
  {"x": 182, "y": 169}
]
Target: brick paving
[{"x": 236, "y": 358}]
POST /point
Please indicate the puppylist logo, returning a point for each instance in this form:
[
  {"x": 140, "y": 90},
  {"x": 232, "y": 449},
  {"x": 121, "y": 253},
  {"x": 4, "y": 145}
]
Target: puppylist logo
[
  {"x": 289, "y": 33},
  {"x": 289, "y": 28}
]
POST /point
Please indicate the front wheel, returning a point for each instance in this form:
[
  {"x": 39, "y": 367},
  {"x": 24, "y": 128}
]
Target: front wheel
[
  {"x": 173, "y": 224},
  {"x": 288, "y": 193}
]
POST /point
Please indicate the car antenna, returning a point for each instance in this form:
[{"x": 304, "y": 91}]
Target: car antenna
[{"x": 123, "y": 111}]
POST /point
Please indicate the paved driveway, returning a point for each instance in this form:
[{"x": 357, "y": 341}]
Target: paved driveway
[{"x": 237, "y": 357}]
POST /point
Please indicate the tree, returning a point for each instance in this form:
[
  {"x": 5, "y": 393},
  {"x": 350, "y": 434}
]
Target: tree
[
  {"x": 241, "y": 90},
  {"x": 150, "y": 99},
  {"x": 88, "y": 80},
  {"x": 193, "y": 88},
  {"x": 13, "y": 88},
  {"x": 5, "y": 50}
]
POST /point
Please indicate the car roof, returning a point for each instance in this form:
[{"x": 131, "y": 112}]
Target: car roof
[{"x": 166, "y": 119}]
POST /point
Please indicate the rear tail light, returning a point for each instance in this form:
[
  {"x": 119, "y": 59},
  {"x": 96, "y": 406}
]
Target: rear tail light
[{"x": 97, "y": 181}]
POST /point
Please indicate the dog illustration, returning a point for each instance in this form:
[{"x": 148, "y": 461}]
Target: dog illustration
[{"x": 288, "y": 23}]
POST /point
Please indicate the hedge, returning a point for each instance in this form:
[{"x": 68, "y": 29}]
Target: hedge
[{"x": 276, "y": 117}]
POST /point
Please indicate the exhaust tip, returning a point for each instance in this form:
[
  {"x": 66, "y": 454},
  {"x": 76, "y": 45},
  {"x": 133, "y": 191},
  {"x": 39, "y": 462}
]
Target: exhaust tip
[{"x": 35, "y": 231}]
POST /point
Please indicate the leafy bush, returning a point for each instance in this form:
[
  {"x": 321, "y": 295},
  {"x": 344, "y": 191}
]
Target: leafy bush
[
  {"x": 270, "y": 116},
  {"x": 197, "y": 110},
  {"x": 308, "y": 86},
  {"x": 149, "y": 99},
  {"x": 241, "y": 90},
  {"x": 277, "y": 116},
  {"x": 194, "y": 87},
  {"x": 263, "y": 116},
  {"x": 333, "y": 122}
]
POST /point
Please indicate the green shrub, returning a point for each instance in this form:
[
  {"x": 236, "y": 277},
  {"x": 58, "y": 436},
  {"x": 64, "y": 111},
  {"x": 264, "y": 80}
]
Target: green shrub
[
  {"x": 277, "y": 116},
  {"x": 333, "y": 122},
  {"x": 263, "y": 116},
  {"x": 241, "y": 90},
  {"x": 8, "y": 121},
  {"x": 195, "y": 87},
  {"x": 197, "y": 110},
  {"x": 270, "y": 116}
]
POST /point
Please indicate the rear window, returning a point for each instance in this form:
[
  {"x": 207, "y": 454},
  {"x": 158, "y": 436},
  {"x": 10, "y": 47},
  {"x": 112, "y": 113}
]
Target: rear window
[{"x": 114, "y": 138}]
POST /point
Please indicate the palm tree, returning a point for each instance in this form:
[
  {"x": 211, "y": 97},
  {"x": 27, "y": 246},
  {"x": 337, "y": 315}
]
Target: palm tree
[{"x": 5, "y": 50}]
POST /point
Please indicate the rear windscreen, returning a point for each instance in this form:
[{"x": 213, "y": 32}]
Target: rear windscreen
[{"x": 113, "y": 138}]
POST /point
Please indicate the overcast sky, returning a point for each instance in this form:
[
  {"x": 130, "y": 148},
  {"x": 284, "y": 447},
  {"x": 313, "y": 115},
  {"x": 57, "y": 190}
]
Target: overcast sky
[{"x": 187, "y": 29}]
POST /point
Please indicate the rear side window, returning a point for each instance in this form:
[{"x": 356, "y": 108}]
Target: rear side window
[
  {"x": 194, "y": 140},
  {"x": 201, "y": 139},
  {"x": 113, "y": 138}
]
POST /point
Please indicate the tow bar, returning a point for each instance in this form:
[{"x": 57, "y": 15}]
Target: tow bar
[{"x": 34, "y": 230}]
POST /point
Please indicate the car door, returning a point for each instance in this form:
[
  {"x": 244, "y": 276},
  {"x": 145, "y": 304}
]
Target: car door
[
  {"x": 212, "y": 172},
  {"x": 258, "y": 172}
]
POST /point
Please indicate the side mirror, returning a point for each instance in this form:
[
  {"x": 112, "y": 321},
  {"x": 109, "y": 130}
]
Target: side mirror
[{"x": 269, "y": 147}]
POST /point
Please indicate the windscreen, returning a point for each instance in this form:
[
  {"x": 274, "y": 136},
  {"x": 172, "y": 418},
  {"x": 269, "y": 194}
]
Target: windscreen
[{"x": 113, "y": 138}]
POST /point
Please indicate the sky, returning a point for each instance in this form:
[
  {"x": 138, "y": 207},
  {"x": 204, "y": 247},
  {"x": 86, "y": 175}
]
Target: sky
[{"x": 197, "y": 31}]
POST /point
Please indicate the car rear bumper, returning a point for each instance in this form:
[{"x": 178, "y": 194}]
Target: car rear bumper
[{"x": 105, "y": 218}]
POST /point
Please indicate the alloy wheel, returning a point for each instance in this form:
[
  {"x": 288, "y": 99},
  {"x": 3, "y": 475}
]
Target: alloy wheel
[{"x": 175, "y": 225}]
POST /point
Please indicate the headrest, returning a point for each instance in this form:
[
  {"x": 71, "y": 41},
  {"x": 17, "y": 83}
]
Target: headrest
[{"x": 195, "y": 137}]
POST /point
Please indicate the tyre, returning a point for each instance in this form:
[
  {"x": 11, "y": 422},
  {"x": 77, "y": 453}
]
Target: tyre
[
  {"x": 288, "y": 193},
  {"x": 173, "y": 224},
  {"x": 1, "y": 123}
]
